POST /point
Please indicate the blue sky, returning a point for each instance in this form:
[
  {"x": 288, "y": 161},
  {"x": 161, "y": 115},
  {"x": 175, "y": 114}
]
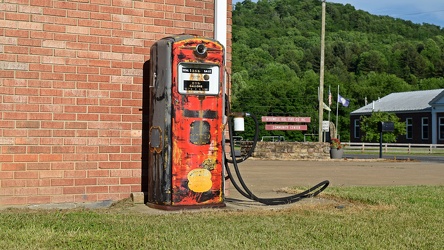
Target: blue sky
[{"x": 417, "y": 11}]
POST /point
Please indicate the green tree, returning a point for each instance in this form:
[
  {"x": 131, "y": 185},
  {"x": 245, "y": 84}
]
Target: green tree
[
  {"x": 276, "y": 58},
  {"x": 431, "y": 83},
  {"x": 369, "y": 127},
  {"x": 372, "y": 61}
]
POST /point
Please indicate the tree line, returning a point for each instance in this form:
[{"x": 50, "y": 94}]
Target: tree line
[{"x": 276, "y": 58}]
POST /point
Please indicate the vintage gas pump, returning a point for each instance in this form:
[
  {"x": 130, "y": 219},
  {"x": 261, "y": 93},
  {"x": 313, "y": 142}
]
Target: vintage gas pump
[
  {"x": 185, "y": 123},
  {"x": 184, "y": 110}
]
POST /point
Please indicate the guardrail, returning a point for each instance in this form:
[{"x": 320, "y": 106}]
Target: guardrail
[
  {"x": 273, "y": 138},
  {"x": 405, "y": 148}
]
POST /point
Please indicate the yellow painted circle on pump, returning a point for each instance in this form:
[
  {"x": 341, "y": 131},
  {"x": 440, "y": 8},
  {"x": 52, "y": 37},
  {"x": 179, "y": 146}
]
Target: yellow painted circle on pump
[{"x": 199, "y": 180}]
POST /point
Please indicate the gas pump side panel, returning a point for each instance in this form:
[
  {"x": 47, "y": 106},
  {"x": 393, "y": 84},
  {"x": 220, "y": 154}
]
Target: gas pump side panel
[{"x": 159, "y": 168}]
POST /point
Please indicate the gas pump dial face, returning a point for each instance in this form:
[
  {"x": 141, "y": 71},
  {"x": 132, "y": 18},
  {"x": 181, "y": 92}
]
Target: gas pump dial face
[{"x": 200, "y": 79}]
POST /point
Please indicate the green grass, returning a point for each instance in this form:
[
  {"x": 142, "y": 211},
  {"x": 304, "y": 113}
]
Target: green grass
[{"x": 360, "y": 218}]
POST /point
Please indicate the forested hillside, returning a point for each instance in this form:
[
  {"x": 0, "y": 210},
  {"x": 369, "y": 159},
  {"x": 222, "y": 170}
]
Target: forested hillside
[{"x": 276, "y": 58}]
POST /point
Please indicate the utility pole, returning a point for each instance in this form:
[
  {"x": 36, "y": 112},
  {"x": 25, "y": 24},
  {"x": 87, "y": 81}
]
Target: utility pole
[{"x": 321, "y": 75}]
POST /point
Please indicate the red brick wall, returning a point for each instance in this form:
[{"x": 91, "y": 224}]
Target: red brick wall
[{"x": 71, "y": 89}]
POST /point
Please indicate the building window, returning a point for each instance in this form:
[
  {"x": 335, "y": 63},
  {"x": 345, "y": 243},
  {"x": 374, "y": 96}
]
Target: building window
[
  {"x": 425, "y": 128},
  {"x": 357, "y": 129},
  {"x": 441, "y": 128},
  {"x": 409, "y": 128}
]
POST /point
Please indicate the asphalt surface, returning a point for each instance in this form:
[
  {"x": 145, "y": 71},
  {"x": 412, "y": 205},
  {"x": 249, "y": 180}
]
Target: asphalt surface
[
  {"x": 421, "y": 158},
  {"x": 264, "y": 176}
]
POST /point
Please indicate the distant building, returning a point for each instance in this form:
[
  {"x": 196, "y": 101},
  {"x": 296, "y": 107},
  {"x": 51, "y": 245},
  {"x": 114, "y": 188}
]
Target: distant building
[{"x": 422, "y": 112}]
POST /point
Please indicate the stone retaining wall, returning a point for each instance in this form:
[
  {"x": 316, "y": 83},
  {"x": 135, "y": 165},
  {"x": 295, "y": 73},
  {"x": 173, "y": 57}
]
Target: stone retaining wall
[{"x": 290, "y": 150}]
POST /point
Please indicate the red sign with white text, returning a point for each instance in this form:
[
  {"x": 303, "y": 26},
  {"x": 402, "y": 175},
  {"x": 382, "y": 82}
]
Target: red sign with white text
[
  {"x": 285, "y": 127},
  {"x": 285, "y": 119}
]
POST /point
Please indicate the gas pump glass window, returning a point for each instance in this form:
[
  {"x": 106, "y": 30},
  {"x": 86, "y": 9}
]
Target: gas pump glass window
[{"x": 198, "y": 79}]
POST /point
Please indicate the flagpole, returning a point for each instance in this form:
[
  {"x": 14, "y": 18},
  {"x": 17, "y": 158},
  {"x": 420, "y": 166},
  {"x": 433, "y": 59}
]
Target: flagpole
[
  {"x": 337, "y": 107},
  {"x": 329, "y": 103},
  {"x": 321, "y": 75}
]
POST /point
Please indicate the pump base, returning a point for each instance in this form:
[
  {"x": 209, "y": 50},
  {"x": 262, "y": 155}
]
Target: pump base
[{"x": 183, "y": 207}]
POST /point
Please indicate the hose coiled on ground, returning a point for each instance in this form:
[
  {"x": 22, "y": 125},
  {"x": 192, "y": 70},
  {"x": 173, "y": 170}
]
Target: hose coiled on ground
[{"x": 245, "y": 191}]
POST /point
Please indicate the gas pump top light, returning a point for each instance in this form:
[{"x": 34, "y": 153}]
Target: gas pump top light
[{"x": 201, "y": 50}]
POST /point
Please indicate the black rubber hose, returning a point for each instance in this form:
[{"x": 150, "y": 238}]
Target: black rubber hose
[{"x": 247, "y": 192}]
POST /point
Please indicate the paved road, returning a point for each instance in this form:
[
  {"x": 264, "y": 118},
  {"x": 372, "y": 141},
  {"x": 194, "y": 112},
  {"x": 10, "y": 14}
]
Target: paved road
[
  {"x": 422, "y": 158},
  {"x": 265, "y": 177}
]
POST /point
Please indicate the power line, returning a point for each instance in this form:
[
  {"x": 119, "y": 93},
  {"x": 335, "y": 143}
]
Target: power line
[{"x": 417, "y": 13}]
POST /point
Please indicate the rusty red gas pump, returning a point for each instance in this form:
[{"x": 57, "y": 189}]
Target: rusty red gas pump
[
  {"x": 184, "y": 117},
  {"x": 184, "y": 122}
]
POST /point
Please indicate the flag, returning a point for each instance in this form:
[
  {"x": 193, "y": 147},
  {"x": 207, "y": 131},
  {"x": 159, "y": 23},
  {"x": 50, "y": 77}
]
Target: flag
[
  {"x": 329, "y": 97},
  {"x": 343, "y": 101},
  {"x": 326, "y": 107}
]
